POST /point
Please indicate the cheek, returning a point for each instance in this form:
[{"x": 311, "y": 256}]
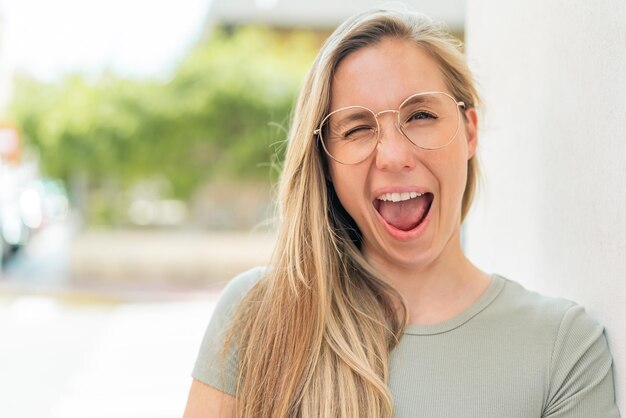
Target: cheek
[
  {"x": 451, "y": 173},
  {"x": 348, "y": 184},
  {"x": 458, "y": 182}
]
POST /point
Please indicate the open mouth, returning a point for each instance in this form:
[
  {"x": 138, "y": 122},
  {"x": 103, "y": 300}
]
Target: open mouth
[{"x": 404, "y": 211}]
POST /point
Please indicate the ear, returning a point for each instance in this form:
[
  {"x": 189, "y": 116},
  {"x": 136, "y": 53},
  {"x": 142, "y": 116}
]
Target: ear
[{"x": 471, "y": 131}]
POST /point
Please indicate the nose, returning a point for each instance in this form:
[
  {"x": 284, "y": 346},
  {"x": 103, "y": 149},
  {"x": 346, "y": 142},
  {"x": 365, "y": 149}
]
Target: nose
[{"x": 394, "y": 152}]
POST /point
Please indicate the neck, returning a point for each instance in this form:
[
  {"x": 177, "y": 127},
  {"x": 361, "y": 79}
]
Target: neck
[{"x": 440, "y": 289}]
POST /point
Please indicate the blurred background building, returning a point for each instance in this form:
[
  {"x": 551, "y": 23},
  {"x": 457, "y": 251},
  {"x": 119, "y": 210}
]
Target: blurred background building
[{"x": 323, "y": 14}]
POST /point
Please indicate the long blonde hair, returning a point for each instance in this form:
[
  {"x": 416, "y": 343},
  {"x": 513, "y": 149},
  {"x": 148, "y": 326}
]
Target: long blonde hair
[{"x": 313, "y": 337}]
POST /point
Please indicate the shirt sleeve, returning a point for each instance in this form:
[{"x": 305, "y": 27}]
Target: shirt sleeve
[
  {"x": 581, "y": 374},
  {"x": 213, "y": 367}
]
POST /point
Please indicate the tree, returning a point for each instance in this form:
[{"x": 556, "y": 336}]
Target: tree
[{"x": 223, "y": 114}]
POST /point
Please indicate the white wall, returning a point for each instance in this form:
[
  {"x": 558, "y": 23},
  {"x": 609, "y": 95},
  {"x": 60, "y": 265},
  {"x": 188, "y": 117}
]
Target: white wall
[{"x": 552, "y": 210}]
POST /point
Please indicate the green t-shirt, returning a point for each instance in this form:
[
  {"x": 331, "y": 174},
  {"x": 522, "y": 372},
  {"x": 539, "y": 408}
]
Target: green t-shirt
[{"x": 512, "y": 354}]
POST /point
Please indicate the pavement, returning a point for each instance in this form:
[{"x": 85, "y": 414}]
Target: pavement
[
  {"x": 63, "y": 358},
  {"x": 115, "y": 343}
]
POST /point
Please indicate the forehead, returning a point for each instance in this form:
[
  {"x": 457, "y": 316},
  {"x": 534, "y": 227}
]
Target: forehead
[{"x": 381, "y": 76}]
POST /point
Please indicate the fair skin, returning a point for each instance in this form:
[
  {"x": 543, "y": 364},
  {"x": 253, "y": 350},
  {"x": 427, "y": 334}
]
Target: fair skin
[
  {"x": 205, "y": 401},
  {"x": 428, "y": 268}
]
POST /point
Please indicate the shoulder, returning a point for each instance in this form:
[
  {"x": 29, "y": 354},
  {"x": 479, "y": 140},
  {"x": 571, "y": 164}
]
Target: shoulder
[
  {"x": 211, "y": 366},
  {"x": 568, "y": 323},
  {"x": 524, "y": 315},
  {"x": 244, "y": 281},
  {"x": 518, "y": 303},
  {"x": 236, "y": 289},
  {"x": 557, "y": 319},
  {"x": 554, "y": 326},
  {"x": 248, "y": 278},
  {"x": 572, "y": 344}
]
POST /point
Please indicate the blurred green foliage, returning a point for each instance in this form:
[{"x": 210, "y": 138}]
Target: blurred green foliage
[{"x": 224, "y": 113}]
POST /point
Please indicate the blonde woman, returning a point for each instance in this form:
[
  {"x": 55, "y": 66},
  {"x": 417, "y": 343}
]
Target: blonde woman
[{"x": 369, "y": 307}]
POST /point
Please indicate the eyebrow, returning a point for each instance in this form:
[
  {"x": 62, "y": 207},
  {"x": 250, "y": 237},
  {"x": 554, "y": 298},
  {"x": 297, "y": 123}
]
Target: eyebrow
[
  {"x": 356, "y": 116},
  {"x": 425, "y": 98}
]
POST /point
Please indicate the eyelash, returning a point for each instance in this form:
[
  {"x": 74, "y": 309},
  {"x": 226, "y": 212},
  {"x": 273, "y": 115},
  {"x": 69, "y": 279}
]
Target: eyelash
[
  {"x": 356, "y": 129},
  {"x": 420, "y": 113}
]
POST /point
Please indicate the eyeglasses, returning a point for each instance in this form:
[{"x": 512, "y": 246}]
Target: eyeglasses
[{"x": 429, "y": 120}]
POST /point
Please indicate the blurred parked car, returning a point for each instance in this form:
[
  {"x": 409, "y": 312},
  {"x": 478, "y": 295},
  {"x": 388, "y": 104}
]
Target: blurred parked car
[
  {"x": 27, "y": 203},
  {"x": 14, "y": 232}
]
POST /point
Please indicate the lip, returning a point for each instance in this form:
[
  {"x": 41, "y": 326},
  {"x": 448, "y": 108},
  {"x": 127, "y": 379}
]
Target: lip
[{"x": 398, "y": 233}]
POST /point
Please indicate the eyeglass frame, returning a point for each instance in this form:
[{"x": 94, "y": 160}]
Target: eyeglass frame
[{"x": 318, "y": 131}]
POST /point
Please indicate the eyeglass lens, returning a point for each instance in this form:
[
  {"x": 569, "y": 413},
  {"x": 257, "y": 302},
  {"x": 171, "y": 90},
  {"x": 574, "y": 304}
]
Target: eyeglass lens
[{"x": 428, "y": 120}]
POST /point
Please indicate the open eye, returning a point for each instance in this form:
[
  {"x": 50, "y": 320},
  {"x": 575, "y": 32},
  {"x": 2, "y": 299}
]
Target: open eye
[{"x": 421, "y": 115}]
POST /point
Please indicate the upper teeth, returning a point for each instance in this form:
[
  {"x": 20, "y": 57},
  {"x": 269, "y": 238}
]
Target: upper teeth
[{"x": 398, "y": 197}]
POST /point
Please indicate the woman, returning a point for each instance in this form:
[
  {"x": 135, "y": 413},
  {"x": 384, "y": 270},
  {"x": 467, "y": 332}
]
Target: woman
[{"x": 369, "y": 307}]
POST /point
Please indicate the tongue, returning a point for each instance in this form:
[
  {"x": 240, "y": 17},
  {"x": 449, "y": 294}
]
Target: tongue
[{"x": 404, "y": 215}]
